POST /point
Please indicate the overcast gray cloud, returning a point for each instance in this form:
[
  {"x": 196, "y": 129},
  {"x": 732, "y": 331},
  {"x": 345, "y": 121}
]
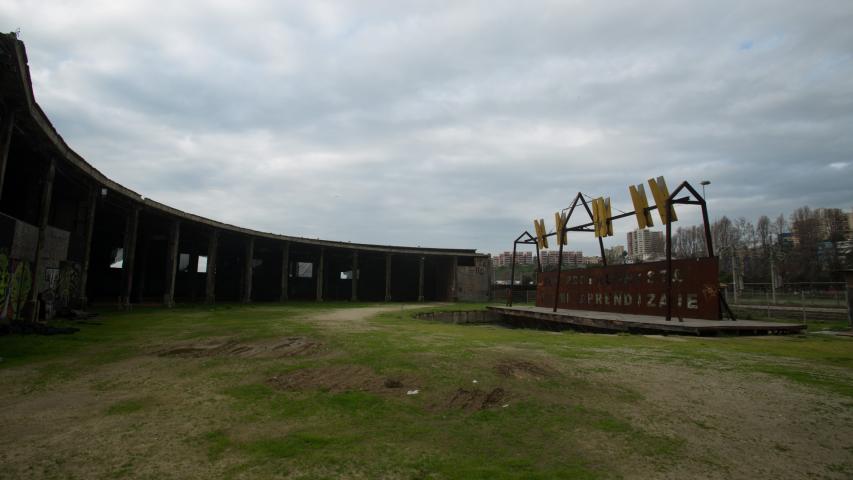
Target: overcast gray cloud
[{"x": 448, "y": 124}]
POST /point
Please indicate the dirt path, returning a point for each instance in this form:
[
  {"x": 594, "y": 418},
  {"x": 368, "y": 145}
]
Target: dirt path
[{"x": 356, "y": 319}]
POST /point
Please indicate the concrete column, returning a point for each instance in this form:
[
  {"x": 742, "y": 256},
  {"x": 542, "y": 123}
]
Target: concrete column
[
  {"x": 421, "y": 279},
  {"x": 192, "y": 274},
  {"x": 171, "y": 262},
  {"x": 320, "y": 275},
  {"x": 212, "y": 250},
  {"x": 354, "y": 276},
  {"x": 44, "y": 212},
  {"x": 131, "y": 227},
  {"x": 387, "y": 277},
  {"x": 7, "y": 124},
  {"x": 87, "y": 244},
  {"x": 453, "y": 266},
  {"x": 285, "y": 271},
  {"x": 248, "y": 270}
]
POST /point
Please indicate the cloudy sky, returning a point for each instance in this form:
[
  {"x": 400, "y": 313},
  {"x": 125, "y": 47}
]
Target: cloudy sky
[{"x": 448, "y": 124}]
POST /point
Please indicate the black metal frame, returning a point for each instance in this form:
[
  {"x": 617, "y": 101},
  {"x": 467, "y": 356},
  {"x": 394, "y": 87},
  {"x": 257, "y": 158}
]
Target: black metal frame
[
  {"x": 670, "y": 202},
  {"x": 512, "y": 266}
]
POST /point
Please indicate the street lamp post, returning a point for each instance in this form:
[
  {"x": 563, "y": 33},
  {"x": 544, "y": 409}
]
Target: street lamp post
[{"x": 703, "y": 183}]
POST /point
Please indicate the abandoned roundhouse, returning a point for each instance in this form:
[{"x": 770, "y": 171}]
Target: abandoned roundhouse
[{"x": 70, "y": 236}]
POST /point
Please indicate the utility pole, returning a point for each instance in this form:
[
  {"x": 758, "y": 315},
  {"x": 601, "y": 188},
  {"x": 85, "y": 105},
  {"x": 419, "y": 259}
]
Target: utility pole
[
  {"x": 772, "y": 280},
  {"x": 703, "y": 183},
  {"x": 734, "y": 276}
]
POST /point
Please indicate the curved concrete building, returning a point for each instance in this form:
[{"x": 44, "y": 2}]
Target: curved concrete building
[{"x": 71, "y": 236}]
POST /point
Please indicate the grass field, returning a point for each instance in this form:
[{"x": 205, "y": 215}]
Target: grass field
[{"x": 322, "y": 391}]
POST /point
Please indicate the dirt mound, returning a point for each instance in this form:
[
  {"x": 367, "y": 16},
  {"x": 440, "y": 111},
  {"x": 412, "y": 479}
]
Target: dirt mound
[
  {"x": 523, "y": 370},
  {"x": 278, "y": 348},
  {"x": 337, "y": 379},
  {"x": 476, "y": 399}
]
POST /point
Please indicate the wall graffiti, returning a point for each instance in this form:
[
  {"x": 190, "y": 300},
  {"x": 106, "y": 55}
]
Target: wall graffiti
[
  {"x": 18, "y": 290},
  {"x": 16, "y": 285},
  {"x": 69, "y": 284},
  {"x": 5, "y": 280},
  {"x": 48, "y": 293},
  {"x": 15, "y": 274}
]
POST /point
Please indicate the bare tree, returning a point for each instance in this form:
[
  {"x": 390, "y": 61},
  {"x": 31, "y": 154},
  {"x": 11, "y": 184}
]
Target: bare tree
[
  {"x": 802, "y": 263},
  {"x": 723, "y": 233},
  {"x": 779, "y": 228},
  {"x": 725, "y": 241},
  {"x": 689, "y": 242},
  {"x": 763, "y": 232}
]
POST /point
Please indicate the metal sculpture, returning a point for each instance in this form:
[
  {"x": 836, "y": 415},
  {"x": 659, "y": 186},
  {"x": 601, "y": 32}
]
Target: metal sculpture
[{"x": 601, "y": 224}]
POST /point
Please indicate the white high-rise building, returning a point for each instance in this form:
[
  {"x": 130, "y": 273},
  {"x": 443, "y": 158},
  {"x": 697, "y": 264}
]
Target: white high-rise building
[{"x": 645, "y": 245}]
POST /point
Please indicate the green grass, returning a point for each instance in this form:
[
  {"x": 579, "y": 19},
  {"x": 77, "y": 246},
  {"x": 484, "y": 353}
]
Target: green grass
[
  {"x": 823, "y": 380},
  {"x": 300, "y": 444},
  {"x": 225, "y": 414},
  {"x": 822, "y": 299},
  {"x": 125, "y": 407},
  {"x": 217, "y": 443}
]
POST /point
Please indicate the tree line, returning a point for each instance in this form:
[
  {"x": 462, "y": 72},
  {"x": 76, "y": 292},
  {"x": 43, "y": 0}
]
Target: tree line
[{"x": 811, "y": 245}]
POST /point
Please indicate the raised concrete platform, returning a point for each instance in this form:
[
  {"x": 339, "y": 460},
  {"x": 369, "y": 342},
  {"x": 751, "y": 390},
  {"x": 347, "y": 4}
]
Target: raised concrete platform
[{"x": 621, "y": 322}]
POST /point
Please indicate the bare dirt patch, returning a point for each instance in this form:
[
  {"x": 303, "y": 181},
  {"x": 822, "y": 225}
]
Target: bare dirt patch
[
  {"x": 278, "y": 348},
  {"x": 476, "y": 399},
  {"x": 523, "y": 370},
  {"x": 356, "y": 319},
  {"x": 338, "y": 379},
  {"x": 746, "y": 425},
  {"x": 68, "y": 430}
]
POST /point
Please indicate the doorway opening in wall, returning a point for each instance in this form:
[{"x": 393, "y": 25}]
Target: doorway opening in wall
[
  {"x": 304, "y": 269},
  {"x": 347, "y": 275},
  {"x": 117, "y": 258},
  {"x": 184, "y": 262}
]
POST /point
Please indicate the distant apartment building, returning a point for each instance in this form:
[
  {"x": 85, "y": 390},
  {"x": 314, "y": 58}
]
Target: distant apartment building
[
  {"x": 833, "y": 221},
  {"x": 645, "y": 245},
  {"x": 832, "y": 224},
  {"x": 850, "y": 225},
  {"x": 615, "y": 255},
  {"x": 571, "y": 259},
  {"x": 505, "y": 259},
  {"x": 592, "y": 260}
]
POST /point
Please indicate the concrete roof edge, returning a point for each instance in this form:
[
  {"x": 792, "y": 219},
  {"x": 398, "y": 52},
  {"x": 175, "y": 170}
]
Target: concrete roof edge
[{"x": 40, "y": 119}]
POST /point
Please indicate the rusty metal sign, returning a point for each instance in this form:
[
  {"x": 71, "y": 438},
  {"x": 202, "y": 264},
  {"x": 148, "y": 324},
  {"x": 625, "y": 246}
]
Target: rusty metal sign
[{"x": 638, "y": 288}]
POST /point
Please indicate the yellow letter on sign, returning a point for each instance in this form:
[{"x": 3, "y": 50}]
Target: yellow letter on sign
[
  {"x": 560, "y": 220},
  {"x": 641, "y": 205},
  {"x": 661, "y": 194}
]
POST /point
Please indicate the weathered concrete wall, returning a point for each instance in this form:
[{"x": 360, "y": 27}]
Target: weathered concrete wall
[
  {"x": 472, "y": 283},
  {"x": 57, "y": 279},
  {"x": 54, "y": 253},
  {"x": 26, "y": 237}
]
